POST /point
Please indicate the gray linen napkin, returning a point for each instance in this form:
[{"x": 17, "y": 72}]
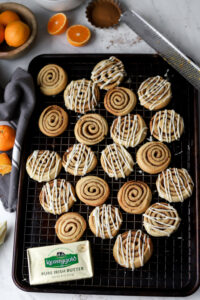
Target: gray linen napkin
[{"x": 15, "y": 110}]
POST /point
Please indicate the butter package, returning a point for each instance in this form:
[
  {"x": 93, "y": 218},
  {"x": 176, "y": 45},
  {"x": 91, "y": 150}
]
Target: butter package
[{"x": 58, "y": 263}]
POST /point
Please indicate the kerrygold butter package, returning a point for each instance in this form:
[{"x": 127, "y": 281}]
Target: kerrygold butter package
[{"x": 58, "y": 263}]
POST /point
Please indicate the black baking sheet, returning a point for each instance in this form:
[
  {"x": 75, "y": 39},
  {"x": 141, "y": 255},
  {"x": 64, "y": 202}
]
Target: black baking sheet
[{"x": 174, "y": 266}]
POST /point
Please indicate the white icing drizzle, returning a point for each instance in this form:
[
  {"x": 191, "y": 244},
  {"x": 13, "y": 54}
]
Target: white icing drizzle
[
  {"x": 98, "y": 75},
  {"x": 116, "y": 156},
  {"x": 79, "y": 98},
  {"x": 79, "y": 149},
  {"x": 129, "y": 256},
  {"x": 179, "y": 186},
  {"x": 167, "y": 119},
  {"x": 53, "y": 196},
  {"x": 105, "y": 221},
  {"x": 152, "y": 90},
  {"x": 38, "y": 162},
  {"x": 160, "y": 217},
  {"x": 132, "y": 136}
]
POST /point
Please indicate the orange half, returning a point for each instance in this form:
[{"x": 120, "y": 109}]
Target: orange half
[
  {"x": 57, "y": 24},
  {"x": 5, "y": 164},
  {"x": 78, "y": 35}
]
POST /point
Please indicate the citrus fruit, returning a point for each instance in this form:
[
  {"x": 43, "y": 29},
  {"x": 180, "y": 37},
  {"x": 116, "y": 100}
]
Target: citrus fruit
[
  {"x": 7, "y": 137},
  {"x": 1, "y": 33},
  {"x": 5, "y": 164},
  {"x": 16, "y": 33},
  {"x": 8, "y": 16},
  {"x": 78, "y": 35},
  {"x": 57, "y": 24}
]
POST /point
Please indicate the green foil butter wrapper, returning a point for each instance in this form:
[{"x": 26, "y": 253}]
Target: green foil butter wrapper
[{"x": 59, "y": 263}]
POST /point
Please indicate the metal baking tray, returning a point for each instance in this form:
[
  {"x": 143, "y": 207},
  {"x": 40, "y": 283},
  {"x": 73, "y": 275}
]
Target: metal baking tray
[{"x": 173, "y": 269}]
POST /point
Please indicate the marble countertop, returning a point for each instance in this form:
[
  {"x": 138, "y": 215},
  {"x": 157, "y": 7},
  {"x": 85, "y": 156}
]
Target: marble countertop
[{"x": 177, "y": 19}]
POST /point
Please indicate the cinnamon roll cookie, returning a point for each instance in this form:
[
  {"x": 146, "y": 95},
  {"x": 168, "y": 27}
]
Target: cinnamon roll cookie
[
  {"x": 167, "y": 126},
  {"x": 161, "y": 219},
  {"x": 132, "y": 249},
  {"x": 52, "y": 79},
  {"x": 57, "y": 196},
  {"x": 120, "y": 101},
  {"x": 53, "y": 121},
  {"x": 153, "y": 157},
  {"x": 134, "y": 197},
  {"x": 70, "y": 227},
  {"x": 43, "y": 165},
  {"x": 108, "y": 73},
  {"x": 91, "y": 129},
  {"x": 116, "y": 161},
  {"x": 155, "y": 93},
  {"x": 129, "y": 130},
  {"x": 105, "y": 221},
  {"x": 92, "y": 190},
  {"x": 81, "y": 95},
  {"x": 79, "y": 160},
  {"x": 174, "y": 185}
]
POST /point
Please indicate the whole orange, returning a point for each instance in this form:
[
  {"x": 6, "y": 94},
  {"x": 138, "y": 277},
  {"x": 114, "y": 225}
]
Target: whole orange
[
  {"x": 7, "y": 137},
  {"x": 16, "y": 33},
  {"x": 1, "y": 33},
  {"x": 8, "y": 16}
]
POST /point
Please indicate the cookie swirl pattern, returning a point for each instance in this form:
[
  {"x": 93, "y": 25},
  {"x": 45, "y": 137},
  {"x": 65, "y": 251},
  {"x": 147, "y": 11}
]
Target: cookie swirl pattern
[
  {"x": 174, "y": 185},
  {"x": 132, "y": 249},
  {"x": 161, "y": 219}
]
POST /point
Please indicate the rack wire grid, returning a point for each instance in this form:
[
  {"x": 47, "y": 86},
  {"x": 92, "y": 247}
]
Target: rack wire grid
[{"x": 172, "y": 267}]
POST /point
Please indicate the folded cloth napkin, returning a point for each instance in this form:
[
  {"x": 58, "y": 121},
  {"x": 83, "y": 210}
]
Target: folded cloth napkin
[{"x": 16, "y": 108}]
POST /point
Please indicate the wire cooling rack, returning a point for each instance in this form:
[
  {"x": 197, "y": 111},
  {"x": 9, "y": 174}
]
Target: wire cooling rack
[{"x": 174, "y": 266}]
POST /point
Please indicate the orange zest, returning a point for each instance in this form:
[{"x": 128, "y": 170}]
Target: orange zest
[
  {"x": 78, "y": 35},
  {"x": 1, "y": 34},
  {"x": 7, "y": 137},
  {"x": 8, "y": 16},
  {"x": 16, "y": 33},
  {"x": 5, "y": 164},
  {"x": 57, "y": 24}
]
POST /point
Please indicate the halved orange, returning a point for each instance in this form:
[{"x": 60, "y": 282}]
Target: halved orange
[
  {"x": 5, "y": 164},
  {"x": 78, "y": 35},
  {"x": 57, "y": 24}
]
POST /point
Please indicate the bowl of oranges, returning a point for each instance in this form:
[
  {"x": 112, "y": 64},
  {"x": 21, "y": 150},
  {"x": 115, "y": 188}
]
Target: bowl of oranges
[{"x": 18, "y": 28}]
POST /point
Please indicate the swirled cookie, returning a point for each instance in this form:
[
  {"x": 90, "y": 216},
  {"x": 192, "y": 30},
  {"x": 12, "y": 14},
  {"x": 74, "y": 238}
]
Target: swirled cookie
[
  {"x": 57, "y": 196},
  {"x": 155, "y": 93},
  {"x": 129, "y": 130},
  {"x": 134, "y": 197},
  {"x": 52, "y": 79},
  {"x": 153, "y": 157},
  {"x": 79, "y": 160},
  {"x": 161, "y": 219},
  {"x": 174, "y": 185},
  {"x": 43, "y": 165},
  {"x": 105, "y": 221},
  {"x": 108, "y": 73},
  {"x": 81, "y": 95},
  {"x": 53, "y": 120},
  {"x": 167, "y": 126},
  {"x": 132, "y": 249},
  {"x": 91, "y": 129},
  {"x": 120, "y": 101},
  {"x": 92, "y": 190},
  {"x": 116, "y": 161},
  {"x": 70, "y": 227}
]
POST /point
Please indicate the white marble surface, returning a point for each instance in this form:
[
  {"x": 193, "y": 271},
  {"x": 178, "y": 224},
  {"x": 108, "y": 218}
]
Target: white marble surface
[{"x": 177, "y": 19}]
